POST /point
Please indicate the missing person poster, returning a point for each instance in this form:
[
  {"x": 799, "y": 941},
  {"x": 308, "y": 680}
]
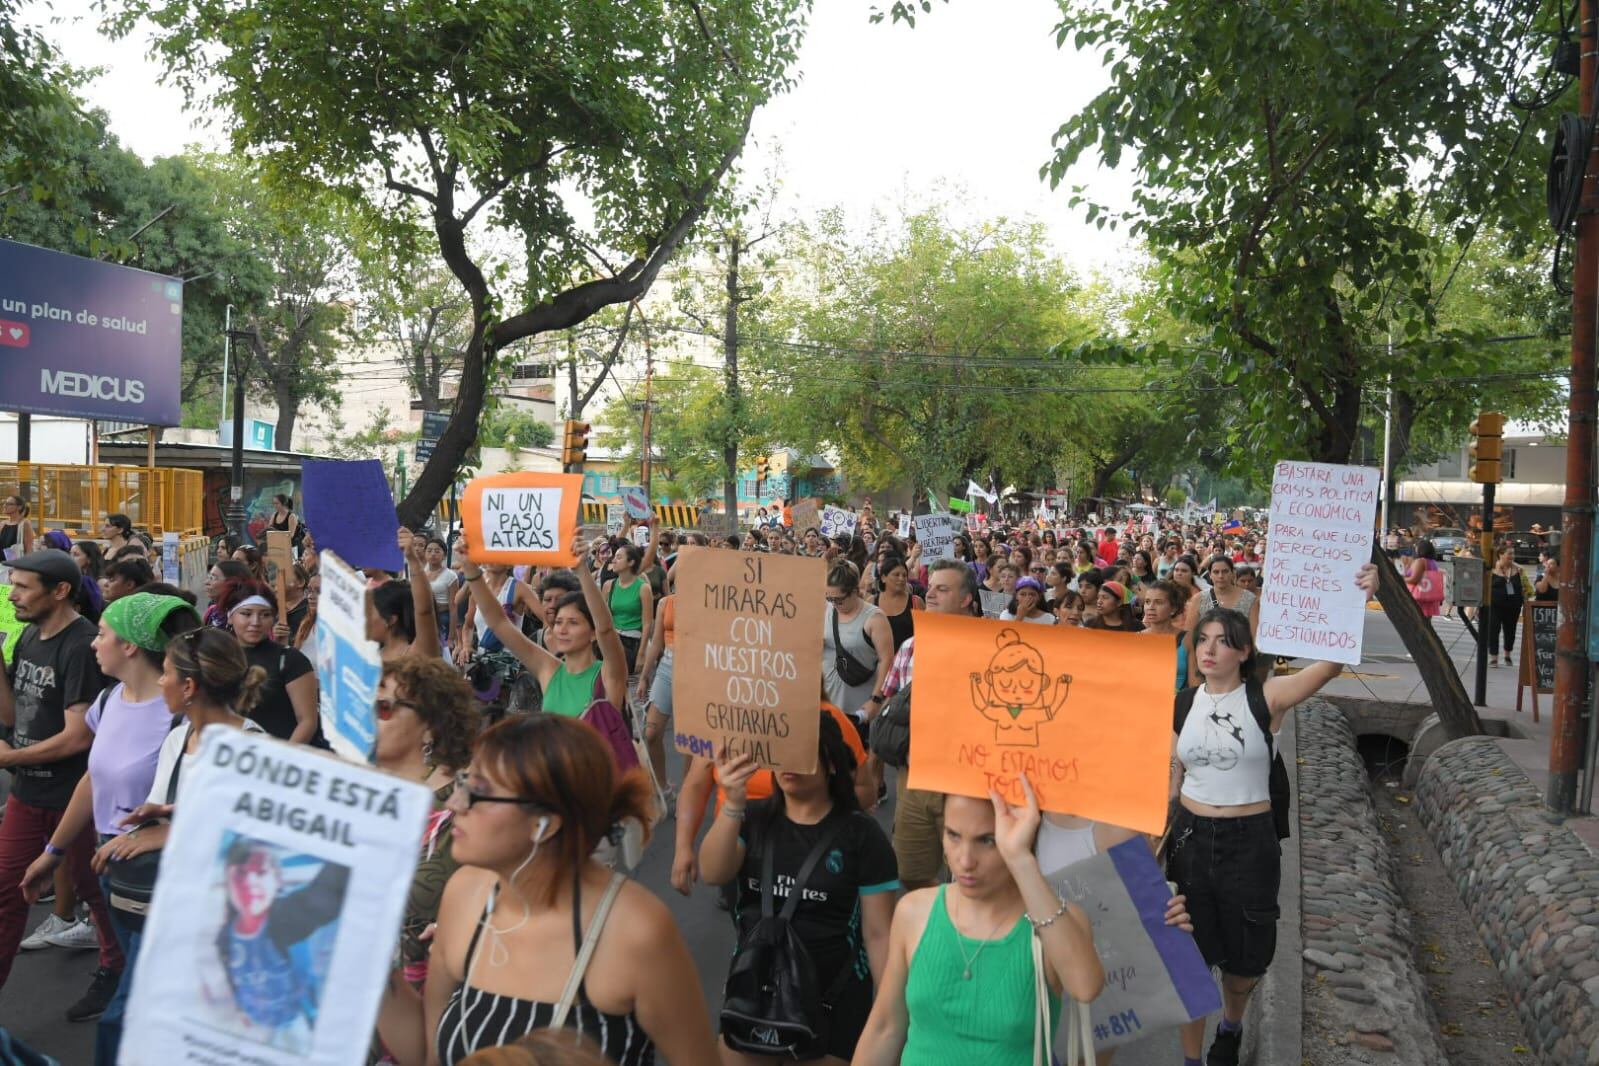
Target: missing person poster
[
  {"x": 272, "y": 929},
  {"x": 749, "y": 655},
  {"x": 522, "y": 518}
]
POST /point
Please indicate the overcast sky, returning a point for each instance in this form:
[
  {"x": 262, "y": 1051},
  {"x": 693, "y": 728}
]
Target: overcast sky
[{"x": 962, "y": 106}]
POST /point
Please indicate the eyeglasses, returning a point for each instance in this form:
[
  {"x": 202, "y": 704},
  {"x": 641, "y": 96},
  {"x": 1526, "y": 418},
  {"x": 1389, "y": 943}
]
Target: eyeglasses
[
  {"x": 836, "y": 601},
  {"x": 385, "y": 708},
  {"x": 471, "y": 799}
]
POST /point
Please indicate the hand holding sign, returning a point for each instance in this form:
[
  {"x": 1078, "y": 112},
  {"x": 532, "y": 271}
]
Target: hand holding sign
[{"x": 1016, "y": 827}]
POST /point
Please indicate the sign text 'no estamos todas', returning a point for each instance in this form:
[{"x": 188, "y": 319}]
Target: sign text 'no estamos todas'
[{"x": 1085, "y": 714}]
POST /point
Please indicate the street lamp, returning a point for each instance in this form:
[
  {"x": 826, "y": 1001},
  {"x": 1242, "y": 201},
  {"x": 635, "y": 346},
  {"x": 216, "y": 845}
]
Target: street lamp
[{"x": 236, "y": 513}]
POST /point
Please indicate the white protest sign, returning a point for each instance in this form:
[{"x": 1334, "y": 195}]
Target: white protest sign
[
  {"x": 994, "y": 603},
  {"x": 271, "y": 933},
  {"x": 1322, "y": 517},
  {"x": 904, "y": 526},
  {"x": 837, "y": 522},
  {"x": 936, "y": 534},
  {"x": 170, "y": 564},
  {"x": 348, "y": 666},
  {"x": 636, "y": 502},
  {"x": 641, "y": 536},
  {"x": 615, "y": 516}
]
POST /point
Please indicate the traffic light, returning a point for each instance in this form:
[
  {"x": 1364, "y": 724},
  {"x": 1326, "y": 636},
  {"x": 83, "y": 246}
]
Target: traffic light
[
  {"x": 763, "y": 468},
  {"x": 574, "y": 447},
  {"x": 1486, "y": 447}
]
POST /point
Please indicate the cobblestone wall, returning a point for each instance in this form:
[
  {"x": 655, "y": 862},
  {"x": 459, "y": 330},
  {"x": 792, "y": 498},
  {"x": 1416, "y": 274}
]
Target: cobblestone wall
[
  {"x": 1362, "y": 988},
  {"x": 1531, "y": 886}
]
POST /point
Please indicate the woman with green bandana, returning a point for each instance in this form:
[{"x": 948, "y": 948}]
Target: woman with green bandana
[{"x": 129, "y": 721}]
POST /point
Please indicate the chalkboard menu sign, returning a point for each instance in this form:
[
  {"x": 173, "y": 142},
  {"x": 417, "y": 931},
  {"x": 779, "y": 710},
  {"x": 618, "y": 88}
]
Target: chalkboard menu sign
[{"x": 1538, "y": 642}]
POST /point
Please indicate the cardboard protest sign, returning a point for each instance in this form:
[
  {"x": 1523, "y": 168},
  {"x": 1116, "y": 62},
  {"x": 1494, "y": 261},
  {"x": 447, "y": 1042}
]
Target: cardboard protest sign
[
  {"x": 10, "y": 626},
  {"x": 349, "y": 506},
  {"x": 837, "y": 522},
  {"x": 1155, "y": 977},
  {"x": 904, "y": 526},
  {"x": 615, "y": 516},
  {"x": 283, "y": 883},
  {"x": 1322, "y": 517},
  {"x": 348, "y": 666},
  {"x": 936, "y": 534},
  {"x": 522, "y": 518},
  {"x": 807, "y": 515},
  {"x": 635, "y": 501},
  {"x": 278, "y": 560},
  {"x": 1085, "y": 713},
  {"x": 749, "y": 655},
  {"x": 994, "y": 603}
]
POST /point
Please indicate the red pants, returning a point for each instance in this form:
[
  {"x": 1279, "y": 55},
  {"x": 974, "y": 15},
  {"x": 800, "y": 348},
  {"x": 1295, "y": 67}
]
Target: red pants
[{"x": 23, "y": 834}]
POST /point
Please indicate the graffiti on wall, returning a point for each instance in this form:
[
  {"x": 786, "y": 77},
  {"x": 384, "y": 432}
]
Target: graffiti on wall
[{"x": 259, "y": 488}]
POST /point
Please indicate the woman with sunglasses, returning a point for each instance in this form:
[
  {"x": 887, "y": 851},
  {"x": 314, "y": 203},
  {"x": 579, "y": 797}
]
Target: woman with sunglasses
[
  {"x": 540, "y": 795},
  {"x": 571, "y": 674},
  {"x": 287, "y": 706},
  {"x": 427, "y": 724},
  {"x": 129, "y": 722}
]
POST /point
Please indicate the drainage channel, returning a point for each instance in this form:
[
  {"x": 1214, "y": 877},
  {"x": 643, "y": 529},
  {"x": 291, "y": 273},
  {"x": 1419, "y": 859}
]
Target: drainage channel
[{"x": 1476, "y": 1023}]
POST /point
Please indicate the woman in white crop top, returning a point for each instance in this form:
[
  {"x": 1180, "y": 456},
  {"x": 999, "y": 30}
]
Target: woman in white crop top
[{"x": 1224, "y": 852}]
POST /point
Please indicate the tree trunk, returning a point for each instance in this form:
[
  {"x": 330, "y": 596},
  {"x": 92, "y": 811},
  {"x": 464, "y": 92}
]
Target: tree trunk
[
  {"x": 1105, "y": 469},
  {"x": 288, "y": 410},
  {"x": 1444, "y": 687},
  {"x": 730, "y": 350}
]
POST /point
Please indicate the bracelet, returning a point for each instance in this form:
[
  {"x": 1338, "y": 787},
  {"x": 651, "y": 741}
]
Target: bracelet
[
  {"x": 1047, "y": 922},
  {"x": 735, "y": 813},
  {"x": 51, "y": 849},
  {"x": 471, "y": 577}
]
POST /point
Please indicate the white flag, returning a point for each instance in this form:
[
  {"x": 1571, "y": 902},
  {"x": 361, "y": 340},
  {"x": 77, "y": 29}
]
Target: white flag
[{"x": 974, "y": 491}]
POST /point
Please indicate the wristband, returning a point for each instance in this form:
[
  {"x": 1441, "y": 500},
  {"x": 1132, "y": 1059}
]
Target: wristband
[
  {"x": 51, "y": 849},
  {"x": 472, "y": 577},
  {"x": 735, "y": 813}
]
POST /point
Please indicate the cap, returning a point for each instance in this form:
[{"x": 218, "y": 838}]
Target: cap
[{"x": 53, "y": 566}]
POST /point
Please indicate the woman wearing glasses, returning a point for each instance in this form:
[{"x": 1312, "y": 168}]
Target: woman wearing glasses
[
  {"x": 426, "y": 728},
  {"x": 539, "y": 796}
]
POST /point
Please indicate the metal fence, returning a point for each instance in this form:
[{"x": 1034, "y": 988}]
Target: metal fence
[{"x": 77, "y": 498}]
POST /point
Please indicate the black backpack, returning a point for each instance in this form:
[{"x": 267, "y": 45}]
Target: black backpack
[
  {"x": 1277, "y": 785},
  {"x": 890, "y": 734},
  {"x": 771, "y": 1004}
]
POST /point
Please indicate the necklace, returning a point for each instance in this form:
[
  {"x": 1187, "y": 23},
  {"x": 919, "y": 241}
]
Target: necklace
[{"x": 970, "y": 961}]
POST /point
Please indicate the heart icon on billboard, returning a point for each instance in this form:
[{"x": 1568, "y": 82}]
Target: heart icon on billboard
[{"x": 13, "y": 334}]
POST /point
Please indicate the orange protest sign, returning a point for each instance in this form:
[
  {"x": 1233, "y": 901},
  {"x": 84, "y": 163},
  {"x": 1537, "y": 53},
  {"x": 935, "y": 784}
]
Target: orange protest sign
[
  {"x": 522, "y": 518},
  {"x": 748, "y": 650},
  {"x": 1085, "y": 714}
]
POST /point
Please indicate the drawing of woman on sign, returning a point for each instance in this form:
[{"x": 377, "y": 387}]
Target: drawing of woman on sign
[{"x": 1016, "y": 694}]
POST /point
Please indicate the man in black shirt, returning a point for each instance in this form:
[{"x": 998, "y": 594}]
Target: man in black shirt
[{"x": 47, "y": 688}]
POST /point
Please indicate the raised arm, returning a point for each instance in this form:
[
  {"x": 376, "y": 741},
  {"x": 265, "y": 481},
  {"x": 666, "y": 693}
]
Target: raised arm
[
  {"x": 722, "y": 853},
  {"x": 540, "y": 662},
  {"x": 426, "y": 641},
  {"x": 614, "y": 668}
]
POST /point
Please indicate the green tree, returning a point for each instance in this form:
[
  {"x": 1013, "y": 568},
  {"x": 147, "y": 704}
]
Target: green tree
[
  {"x": 498, "y": 114},
  {"x": 508, "y": 427},
  {"x": 40, "y": 109},
  {"x": 688, "y": 427}
]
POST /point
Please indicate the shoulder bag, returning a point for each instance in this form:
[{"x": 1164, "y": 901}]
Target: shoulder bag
[
  {"x": 132, "y": 881},
  {"x": 850, "y": 669}
]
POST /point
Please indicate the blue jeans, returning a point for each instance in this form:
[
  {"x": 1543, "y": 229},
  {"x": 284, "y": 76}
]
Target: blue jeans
[{"x": 108, "y": 1035}]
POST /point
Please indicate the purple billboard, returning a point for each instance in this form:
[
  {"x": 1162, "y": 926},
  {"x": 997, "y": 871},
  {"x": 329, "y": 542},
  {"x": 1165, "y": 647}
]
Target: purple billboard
[{"x": 88, "y": 339}]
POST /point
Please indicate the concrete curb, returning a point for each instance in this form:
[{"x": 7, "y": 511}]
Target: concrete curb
[
  {"x": 1531, "y": 886},
  {"x": 1275, "y": 1021}
]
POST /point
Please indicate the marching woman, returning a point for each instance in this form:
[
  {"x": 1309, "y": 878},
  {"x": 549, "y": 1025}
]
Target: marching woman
[
  {"x": 631, "y": 600},
  {"x": 1225, "y": 592},
  {"x": 847, "y": 902},
  {"x": 541, "y": 793},
  {"x": 1115, "y": 602},
  {"x": 960, "y": 978},
  {"x": 857, "y": 647},
  {"x": 1164, "y": 604},
  {"x": 1224, "y": 852},
  {"x": 1028, "y": 604},
  {"x": 287, "y": 705},
  {"x": 896, "y": 600}
]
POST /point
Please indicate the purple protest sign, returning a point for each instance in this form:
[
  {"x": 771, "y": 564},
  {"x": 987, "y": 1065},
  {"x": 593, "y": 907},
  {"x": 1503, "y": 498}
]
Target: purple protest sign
[
  {"x": 88, "y": 339},
  {"x": 350, "y": 510}
]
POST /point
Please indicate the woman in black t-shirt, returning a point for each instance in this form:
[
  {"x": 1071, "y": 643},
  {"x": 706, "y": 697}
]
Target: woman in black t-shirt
[
  {"x": 287, "y": 708},
  {"x": 847, "y": 904}
]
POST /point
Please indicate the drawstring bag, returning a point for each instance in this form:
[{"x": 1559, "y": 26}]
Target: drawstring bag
[
  {"x": 603, "y": 715},
  {"x": 1079, "y": 1044}
]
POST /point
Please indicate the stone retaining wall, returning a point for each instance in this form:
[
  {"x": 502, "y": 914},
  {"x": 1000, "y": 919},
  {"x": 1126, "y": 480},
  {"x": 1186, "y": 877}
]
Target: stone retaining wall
[
  {"x": 1531, "y": 886},
  {"x": 1362, "y": 988}
]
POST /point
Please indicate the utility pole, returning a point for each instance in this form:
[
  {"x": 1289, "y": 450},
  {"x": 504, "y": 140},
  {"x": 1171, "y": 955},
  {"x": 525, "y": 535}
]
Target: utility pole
[
  {"x": 649, "y": 396},
  {"x": 1576, "y": 545},
  {"x": 237, "y": 516},
  {"x": 730, "y": 351}
]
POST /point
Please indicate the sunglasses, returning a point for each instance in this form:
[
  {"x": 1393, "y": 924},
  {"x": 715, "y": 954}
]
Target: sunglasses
[
  {"x": 472, "y": 799},
  {"x": 385, "y": 708}
]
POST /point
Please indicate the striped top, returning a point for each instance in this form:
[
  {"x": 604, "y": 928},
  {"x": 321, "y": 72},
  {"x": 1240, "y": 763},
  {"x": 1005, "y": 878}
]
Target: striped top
[{"x": 474, "y": 1019}]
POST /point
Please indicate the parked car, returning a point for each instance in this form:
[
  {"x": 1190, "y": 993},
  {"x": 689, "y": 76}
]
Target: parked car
[
  {"x": 1526, "y": 546},
  {"x": 1446, "y": 539}
]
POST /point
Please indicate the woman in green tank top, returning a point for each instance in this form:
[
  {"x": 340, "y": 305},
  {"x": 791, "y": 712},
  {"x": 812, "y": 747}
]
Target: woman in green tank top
[
  {"x": 960, "y": 982},
  {"x": 630, "y": 599},
  {"x": 568, "y": 670}
]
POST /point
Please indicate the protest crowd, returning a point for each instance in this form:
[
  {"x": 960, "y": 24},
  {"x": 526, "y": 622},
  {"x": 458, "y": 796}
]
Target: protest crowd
[{"x": 536, "y": 705}]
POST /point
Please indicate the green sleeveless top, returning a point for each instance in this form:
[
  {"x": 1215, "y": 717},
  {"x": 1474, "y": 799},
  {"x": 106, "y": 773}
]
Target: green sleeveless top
[
  {"x": 570, "y": 694},
  {"x": 627, "y": 609},
  {"x": 982, "y": 1022}
]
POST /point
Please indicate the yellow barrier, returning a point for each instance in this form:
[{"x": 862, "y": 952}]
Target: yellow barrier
[
  {"x": 675, "y": 515},
  {"x": 79, "y": 497}
]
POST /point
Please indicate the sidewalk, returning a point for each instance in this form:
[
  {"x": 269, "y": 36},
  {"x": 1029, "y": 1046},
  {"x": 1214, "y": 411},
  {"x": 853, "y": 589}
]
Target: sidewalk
[{"x": 1527, "y": 744}]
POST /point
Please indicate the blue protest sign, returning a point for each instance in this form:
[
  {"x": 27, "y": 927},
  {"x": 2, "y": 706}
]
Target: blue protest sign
[
  {"x": 349, "y": 509},
  {"x": 88, "y": 339}
]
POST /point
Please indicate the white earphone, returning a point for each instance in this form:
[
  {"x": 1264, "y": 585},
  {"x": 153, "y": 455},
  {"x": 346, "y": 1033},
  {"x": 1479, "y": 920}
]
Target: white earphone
[{"x": 538, "y": 834}]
